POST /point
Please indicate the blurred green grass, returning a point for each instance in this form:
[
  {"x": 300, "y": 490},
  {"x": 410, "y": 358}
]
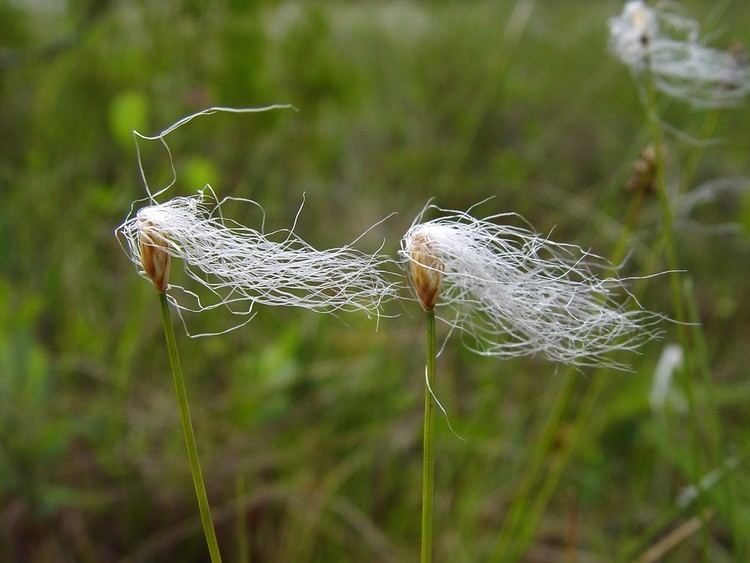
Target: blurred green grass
[{"x": 399, "y": 102}]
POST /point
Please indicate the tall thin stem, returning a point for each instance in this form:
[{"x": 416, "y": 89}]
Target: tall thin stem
[
  {"x": 187, "y": 430},
  {"x": 684, "y": 302},
  {"x": 428, "y": 451},
  {"x": 678, "y": 300},
  {"x": 518, "y": 510}
]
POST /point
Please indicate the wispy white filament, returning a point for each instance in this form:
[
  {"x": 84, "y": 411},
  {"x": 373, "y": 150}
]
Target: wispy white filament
[
  {"x": 162, "y": 138},
  {"x": 513, "y": 292},
  {"x": 667, "y": 45},
  {"x": 242, "y": 266},
  {"x": 722, "y": 191}
]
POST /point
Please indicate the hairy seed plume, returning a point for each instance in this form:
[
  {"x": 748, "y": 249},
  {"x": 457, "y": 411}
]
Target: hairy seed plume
[{"x": 513, "y": 292}]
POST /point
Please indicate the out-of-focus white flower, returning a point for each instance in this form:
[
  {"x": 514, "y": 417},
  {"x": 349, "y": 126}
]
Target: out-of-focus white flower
[
  {"x": 667, "y": 45},
  {"x": 242, "y": 266},
  {"x": 513, "y": 292},
  {"x": 661, "y": 389},
  {"x": 707, "y": 482}
]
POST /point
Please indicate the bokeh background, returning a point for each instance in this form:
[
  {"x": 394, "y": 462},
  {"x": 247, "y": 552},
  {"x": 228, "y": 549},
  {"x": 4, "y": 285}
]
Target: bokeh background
[{"x": 309, "y": 426}]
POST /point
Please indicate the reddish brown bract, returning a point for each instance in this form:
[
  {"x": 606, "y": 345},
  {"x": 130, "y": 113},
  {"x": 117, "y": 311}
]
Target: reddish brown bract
[
  {"x": 154, "y": 257},
  {"x": 426, "y": 272}
]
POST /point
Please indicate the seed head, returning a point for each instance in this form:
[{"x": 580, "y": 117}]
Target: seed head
[
  {"x": 425, "y": 271},
  {"x": 513, "y": 292},
  {"x": 643, "y": 178},
  {"x": 238, "y": 266}
]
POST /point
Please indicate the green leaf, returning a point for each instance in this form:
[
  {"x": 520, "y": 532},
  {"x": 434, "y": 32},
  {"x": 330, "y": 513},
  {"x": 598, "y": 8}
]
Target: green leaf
[{"x": 127, "y": 112}]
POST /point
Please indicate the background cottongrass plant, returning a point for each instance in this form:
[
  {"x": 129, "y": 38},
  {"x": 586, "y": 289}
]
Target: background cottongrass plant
[
  {"x": 666, "y": 44},
  {"x": 674, "y": 61},
  {"x": 513, "y": 292}
]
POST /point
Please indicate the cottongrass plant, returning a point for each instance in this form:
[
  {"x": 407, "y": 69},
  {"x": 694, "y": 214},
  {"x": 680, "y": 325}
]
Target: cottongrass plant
[
  {"x": 664, "y": 47},
  {"x": 237, "y": 267},
  {"x": 660, "y": 41},
  {"x": 512, "y": 292}
]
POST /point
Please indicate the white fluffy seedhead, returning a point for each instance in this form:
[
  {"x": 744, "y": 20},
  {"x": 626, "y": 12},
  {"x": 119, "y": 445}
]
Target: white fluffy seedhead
[
  {"x": 242, "y": 266},
  {"x": 667, "y": 45},
  {"x": 633, "y": 31},
  {"x": 514, "y": 292}
]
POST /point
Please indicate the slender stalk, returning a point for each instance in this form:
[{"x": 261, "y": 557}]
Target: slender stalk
[
  {"x": 525, "y": 532},
  {"x": 428, "y": 445},
  {"x": 696, "y": 358},
  {"x": 678, "y": 299},
  {"x": 714, "y": 423},
  {"x": 187, "y": 430},
  {"x": 665, "y": 205},
  {"x": 518, "y": 509}
]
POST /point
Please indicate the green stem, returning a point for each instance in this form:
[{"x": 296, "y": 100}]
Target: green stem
[
  {"x": 665, "y": 205},
  {"x": 714, "y": 423},
  {"x": 518, "y": 509},
  {"x": 685, "y": 292},
  {"x": 525, "y": 532},
  {"x": 428, "y": 451},
  {"x": 678, "y": 299},
  {"x": 187, "y": 430}
]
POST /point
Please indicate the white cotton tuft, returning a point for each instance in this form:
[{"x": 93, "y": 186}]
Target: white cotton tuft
[
  {"x": 667, "y": 45},
  {"x": 632, "y": 31},
  {"x": 516, "y": 293},
  {"x": 241, "y": 266}
]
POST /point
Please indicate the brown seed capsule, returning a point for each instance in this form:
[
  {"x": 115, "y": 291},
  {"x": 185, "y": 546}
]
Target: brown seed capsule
[
  {"x": 426, "y": 271},
  {"x": 154, "y": 256},
  {"x": 644, "y": 172}
]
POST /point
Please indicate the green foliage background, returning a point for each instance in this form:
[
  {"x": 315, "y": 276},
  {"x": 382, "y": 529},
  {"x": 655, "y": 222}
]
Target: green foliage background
[{"x": 399, "y": 102}]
